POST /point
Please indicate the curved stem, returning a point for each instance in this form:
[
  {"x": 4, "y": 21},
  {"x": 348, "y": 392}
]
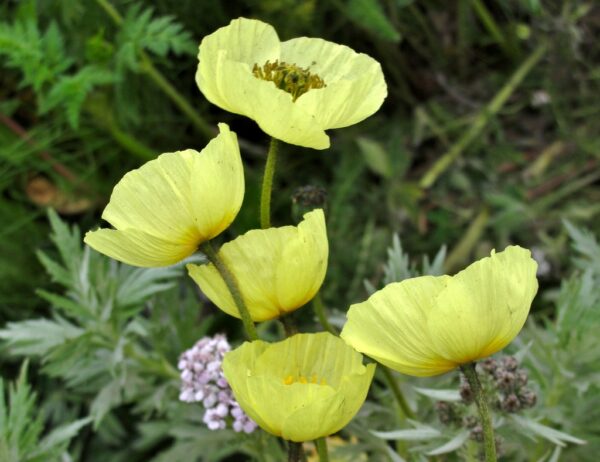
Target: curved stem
[
  {"x": 406, "y": 410},
  {"x": 484, "y": 412},
  {"x": 267, "y": 185},
  {"x": 160, "y": 80},
  {"x": 320, "y": 312},
  {"x": 231, "y": 284},
  {"x": 321, "y": 445},
  {"x": 295, "y": 451}
]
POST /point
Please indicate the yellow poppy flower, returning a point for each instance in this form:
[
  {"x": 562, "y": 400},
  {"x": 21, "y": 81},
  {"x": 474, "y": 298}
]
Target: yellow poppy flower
[
  {"x": 277, "y": 269},
  {"x": 303, "y": 388},
  {"x": 163, "y": 210},
  {"x": 294, "y": 90},
  {"x": 429, "y": 325}
]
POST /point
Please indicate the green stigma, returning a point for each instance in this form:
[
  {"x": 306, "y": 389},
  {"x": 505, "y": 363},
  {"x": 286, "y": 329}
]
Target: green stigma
[{"x": 288, "y": 77}]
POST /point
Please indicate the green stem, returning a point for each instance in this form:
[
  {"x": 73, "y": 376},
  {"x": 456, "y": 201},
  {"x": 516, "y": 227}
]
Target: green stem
[
  {"x": 231, "y": 284},
  {"x": 295, "y": 451},
  {"x": 488, "y": 21},
  {"x": 397, "y": 392},
  {"x": 320, "y": 312},
  {"x": 267, "y": 185},
  {"x": 483, "y": 118},
  {"x": 321, "y": 445},
  {"x": 484, "y": 412},
  {"x": 156, "y": 76},
  {"x": 159, "y": 79}
]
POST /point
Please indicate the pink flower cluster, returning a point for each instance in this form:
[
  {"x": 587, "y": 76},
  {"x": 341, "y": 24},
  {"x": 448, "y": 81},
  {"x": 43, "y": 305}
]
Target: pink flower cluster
[{"x": 202, "y": 380}]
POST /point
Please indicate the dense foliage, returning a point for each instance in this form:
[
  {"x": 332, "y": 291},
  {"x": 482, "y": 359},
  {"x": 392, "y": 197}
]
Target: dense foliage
[{"x": 489, "y": 136}]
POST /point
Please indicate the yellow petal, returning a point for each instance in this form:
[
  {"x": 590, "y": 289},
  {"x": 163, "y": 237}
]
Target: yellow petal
[
  {"x": 299, "y": 410},
  {"x": 225, "y": 77},
  {"x": 484, "y": 307},
  {"x": 137, "y": 248},
  {"x": 244, "y": 41},
  {"x": 391, "y": 326},
  {"x": 173, "y": 203},
  {"x": 155, "y": 199},
  {"x": 355, "y": 87},
  {"x": 217, "y": 184},
  {"x": 277, "y": 269}
]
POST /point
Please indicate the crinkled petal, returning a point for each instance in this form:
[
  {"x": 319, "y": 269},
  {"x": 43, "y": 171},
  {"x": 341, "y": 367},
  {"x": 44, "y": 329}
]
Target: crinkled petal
[
  {"x": 173, "y": 203},
  {"x": 277, "y": 269},
  {"x": 299, "y": 411},
  {"x": 238, "y": 366},
  {"x": 355, "y": 86},
  {"x": 225, "y": 77},
  {"x": 484, "y": 307},
  {"x": 217, "y": 184},
  {"x": 138, "y": 248},
  {"x": 391, "y": 326},
  {"x": 155, "y": 198},
  {"x": 244, "y": 41},
  {"x": 303, "y": 264},
  {"x": 273, "y": 109}
]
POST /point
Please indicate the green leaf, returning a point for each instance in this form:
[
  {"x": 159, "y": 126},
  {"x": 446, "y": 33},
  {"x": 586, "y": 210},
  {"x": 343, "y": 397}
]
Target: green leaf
[
  {"x": 450, "y": 395},
  {"x": 370, "y": 15},
  {"x": 423, "y": 433},
  {"x": 586, "y": 244},
  {"x": 36, "y": 337},
  {"x": 452, "y": 445},
  {"x": 555, "y": 436},
  {"x": 70, "y": 92},
  {"x": 376, "y": 157},
  {"x": 61, "y": 435},
  {"x": 140, "y": 32},
  {"x": 41, "y": 58}
]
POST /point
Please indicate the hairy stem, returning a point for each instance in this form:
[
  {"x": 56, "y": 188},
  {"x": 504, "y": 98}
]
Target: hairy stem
[
  {"x": 267, "y": 185},
  {"x": 232, "y": 285},
  {"x": 321, "y": 445},
  {"x": 397, "y": 392},
  {"x": 295, "y": 451},
  {"x": 484, "y": 412},
  {"x": 321, "y": 315}
]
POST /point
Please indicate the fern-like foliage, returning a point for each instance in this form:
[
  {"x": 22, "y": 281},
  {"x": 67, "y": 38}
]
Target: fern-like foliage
[
  {"x": 22, "y": 425},
  {"x": 160, "y": 36},
  {"x": 41, "y": 57},
  {"x": 399, "y": 265},
  {"x": 71, "y": 91},
  {"x": 44, "y": 63}
]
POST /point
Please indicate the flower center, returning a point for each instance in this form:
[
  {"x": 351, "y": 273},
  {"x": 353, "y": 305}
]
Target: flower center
[
  {"x": 288, "y": 77},
  {"x": 304, "y": 379}
]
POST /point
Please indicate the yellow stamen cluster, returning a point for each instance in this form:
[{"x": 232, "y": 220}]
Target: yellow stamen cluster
[
  {"x": 290, "y": 78},
  {"x": 290, "y": 379}
]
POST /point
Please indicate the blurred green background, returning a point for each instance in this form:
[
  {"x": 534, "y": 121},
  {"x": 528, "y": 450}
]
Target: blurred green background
[{"x": 490, "y": 135}]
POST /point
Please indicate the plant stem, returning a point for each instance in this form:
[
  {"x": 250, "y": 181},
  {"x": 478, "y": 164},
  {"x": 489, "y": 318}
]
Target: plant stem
[
  {"x": 159, "y": 79},
  {"x": 397, "y": 392},
  {"x": 231, "y": 284},
  {"x": 320, "y": 312},
  {"x": 267, "y": 185},
  {"x": 488, "y": 21},
  {"x": 484, "y": 412},
  {"x": 321, "y": 445},
  {"x": 294, "y": 451},
  {"x": 470, "y": 238},
  {"x": 482, "y": 120}
]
